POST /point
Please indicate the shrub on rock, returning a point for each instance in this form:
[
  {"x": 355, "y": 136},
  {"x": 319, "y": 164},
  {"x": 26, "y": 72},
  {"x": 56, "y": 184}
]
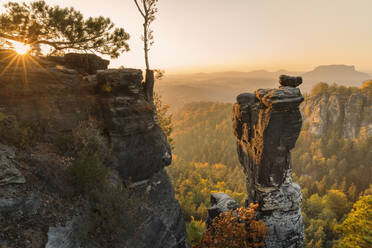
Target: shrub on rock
[{"x": 235, "y": 229}]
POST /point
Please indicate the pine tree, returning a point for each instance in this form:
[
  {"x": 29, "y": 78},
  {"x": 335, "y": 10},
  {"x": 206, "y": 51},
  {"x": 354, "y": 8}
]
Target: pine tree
[{"x": 62, "y": 29}]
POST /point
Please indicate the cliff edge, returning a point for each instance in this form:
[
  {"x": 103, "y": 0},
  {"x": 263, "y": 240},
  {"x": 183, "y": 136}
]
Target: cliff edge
[{"x": 48, "y": 98}]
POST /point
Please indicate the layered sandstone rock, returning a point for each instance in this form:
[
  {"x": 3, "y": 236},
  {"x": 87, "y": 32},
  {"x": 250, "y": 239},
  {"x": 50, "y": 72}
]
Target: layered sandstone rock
[
  {"x": 349, "y": 114},
  {"x": 55, "y": 97},
  {"x": 267, "y": 125},
  {"x": 140, "y": 147}
]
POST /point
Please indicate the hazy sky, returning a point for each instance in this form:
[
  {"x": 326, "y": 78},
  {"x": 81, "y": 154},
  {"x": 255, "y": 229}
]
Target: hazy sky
[{"x": 215, "y": 35}]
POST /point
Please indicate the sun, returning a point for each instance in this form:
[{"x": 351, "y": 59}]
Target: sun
[{"x": 21, "y": 48}]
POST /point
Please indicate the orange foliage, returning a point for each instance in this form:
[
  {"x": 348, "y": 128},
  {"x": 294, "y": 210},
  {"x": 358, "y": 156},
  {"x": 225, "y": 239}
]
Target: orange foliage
[{"x": 235, "y": 229}]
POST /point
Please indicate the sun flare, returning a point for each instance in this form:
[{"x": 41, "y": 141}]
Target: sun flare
[{"x": 21, "y": 48}]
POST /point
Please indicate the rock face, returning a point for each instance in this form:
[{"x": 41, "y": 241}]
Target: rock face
[
  {"x": 88, "y": 62},
  {"x": 349, "y": 114},
  {"x": 9, "y": 174},
  {"x": 140, "y": 146},
  {"x": 267, "y": 125},
  {"x": 55, "y": 97},
  {"x": 165, "y": 228}
]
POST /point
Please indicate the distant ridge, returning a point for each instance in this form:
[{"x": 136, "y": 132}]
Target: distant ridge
[
  {"x": 342, "y": 74},
  {"x": 203, "y": 76}
]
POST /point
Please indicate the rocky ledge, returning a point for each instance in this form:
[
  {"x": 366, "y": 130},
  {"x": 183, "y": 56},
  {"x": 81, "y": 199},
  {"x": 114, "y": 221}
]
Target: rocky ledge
[{"x": 52, "y": 96}]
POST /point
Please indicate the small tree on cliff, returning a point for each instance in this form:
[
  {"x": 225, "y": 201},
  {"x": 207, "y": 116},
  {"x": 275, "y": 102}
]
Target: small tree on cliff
[
  {"x": 235, "y": 229},
  {"x": 165, "y": 118},
  {"x": 63, "y": 29},
  {"x": 148, "y": 9}
]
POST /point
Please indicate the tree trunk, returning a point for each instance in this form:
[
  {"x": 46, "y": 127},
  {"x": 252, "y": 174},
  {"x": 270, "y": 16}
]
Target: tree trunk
[
  {"x": 145, "y": 41},
  {"x": 149, "y": 85}
]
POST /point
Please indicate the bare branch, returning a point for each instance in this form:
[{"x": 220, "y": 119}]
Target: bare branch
[
  {"x": 139, "y": 9},
  {"x": 9, "y": 37},
  {"x": 145, "y": 9}
]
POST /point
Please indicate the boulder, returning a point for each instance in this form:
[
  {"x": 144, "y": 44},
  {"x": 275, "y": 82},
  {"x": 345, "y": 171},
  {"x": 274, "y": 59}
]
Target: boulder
[
  {"x": 90, "y": 63},
  {"x": 220, "y": 203},
  {"x": 286, "y": 80},
  {"x": 9, "y": 174}
]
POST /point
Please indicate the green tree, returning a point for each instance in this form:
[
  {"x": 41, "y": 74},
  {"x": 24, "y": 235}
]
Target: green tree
[
  {"x": 337, "y": 202},
  {"x": 367, "y": 88},
  {"x": 351, "y": 192},
  {"x": 368, "y": 191},
  {"x": 63, "y": 29},
  {"x": 319, "y": 89},
  {"x": 356, "y": 230},
  {"x": 164, "y": 118},
  {"x": 313, "y": 206},
  {"x": 195, "y": 229}
]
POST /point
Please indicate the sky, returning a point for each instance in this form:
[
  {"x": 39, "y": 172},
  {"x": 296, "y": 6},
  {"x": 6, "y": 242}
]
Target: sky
[{"x": 243, "y": 35}]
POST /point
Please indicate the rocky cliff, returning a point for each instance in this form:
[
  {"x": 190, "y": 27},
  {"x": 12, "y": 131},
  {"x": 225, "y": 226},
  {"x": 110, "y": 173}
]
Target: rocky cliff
[
  {"x": 52, "y": 96},
  {"x": 348, "y": 114},
  {"x": 267, "y": 124}
]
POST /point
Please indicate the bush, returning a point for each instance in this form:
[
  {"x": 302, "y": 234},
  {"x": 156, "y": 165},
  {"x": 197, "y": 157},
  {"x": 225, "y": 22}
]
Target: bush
[
  {"x": 13, "y": 133},
  {"x": 115, "y": 215},
  {"x": 235, "y": 229},
  {"x": 88, "y": 172},
  {"x": 195, "y": 229},
  {"x": 89, "y": 149},
  {"x": 85, "y": 138},
  {"x": 164, "y": 118}
]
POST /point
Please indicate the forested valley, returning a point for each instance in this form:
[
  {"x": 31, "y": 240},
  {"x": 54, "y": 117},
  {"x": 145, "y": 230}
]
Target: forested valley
[{"x": 335, "y": 173}]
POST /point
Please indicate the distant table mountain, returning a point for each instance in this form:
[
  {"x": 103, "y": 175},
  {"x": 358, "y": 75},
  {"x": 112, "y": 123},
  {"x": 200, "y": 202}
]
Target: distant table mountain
[{"x": 341, "y": 74}]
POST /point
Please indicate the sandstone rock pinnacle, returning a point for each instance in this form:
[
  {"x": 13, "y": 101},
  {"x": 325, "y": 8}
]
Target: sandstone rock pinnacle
[{"x": 267, "y": 125}]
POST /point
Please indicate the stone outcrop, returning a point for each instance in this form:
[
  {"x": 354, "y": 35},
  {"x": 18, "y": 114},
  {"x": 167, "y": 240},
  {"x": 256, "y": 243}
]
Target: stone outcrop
[
  {"x": 220, "y": 203},
  {"x": 54, "y": 95},
  {"x": 267, "y": 125},
  {"x": 140, "y": 146},
  {"x": 164, "y": 226},
  {"x": 348, "y": 114},
  {"x": 9, "y": 174},
  {"x": 90, "y": 63}
]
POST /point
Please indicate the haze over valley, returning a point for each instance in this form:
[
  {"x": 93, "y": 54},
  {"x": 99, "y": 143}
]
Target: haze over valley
[{"x": 178, "y": 89}]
